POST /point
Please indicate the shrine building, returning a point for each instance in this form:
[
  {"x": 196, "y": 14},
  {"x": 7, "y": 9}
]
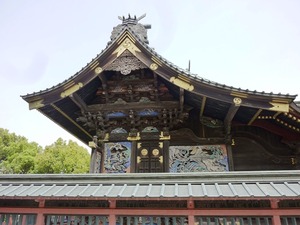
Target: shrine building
[{"x": 168, "y": 147}]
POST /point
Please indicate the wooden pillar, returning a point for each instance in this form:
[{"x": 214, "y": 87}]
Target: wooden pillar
[
  {"x": 133, "y": 160},
  {"x": 40, "y": 219},
  {"x": 275, "y": 218},
  {"x": 191, "y": 216},
  {"x": 93, "y": 160},
  {"x": 112, "y": 215},
  {"x": 191, "y": 219},
  {"x": 230, "y": 156},
  {"x": 166, "y": 155}
]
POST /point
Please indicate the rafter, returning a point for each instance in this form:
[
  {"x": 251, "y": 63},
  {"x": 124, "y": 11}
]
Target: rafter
[
  {"x": 255, "y": 116},
  {"x": 229, "y": 117},
  {"x": 202, "y": 106},
  {"x": 78, "y": 101},
  {"x": 181, "y": 99}
]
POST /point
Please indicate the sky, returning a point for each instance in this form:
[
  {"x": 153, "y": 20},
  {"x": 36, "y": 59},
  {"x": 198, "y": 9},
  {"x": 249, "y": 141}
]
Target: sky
[{"x": 248, "y": 44}]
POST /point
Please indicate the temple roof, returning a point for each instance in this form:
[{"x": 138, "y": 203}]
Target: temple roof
[
  {"x": 62, "y": 102},
  {"x": 255, "y": 185}
]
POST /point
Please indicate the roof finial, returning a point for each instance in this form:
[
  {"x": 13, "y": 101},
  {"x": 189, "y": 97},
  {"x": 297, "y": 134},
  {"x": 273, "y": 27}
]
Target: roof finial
[
  {"x": 130, "y": 19},
  {"x": 133, "y": 23}
]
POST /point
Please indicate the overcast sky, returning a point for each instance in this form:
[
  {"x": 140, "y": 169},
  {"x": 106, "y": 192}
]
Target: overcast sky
[{"x": 251, "y": 44}]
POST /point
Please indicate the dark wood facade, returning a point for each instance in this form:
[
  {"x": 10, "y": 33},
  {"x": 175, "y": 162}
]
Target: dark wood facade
[
  {"x": 129, "y": 93},
  {"x": 139, "y": 113}
]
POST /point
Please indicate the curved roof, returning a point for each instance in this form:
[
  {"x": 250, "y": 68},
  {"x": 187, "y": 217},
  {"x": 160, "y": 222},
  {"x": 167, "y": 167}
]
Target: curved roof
[{"x": 62, "y": 102}]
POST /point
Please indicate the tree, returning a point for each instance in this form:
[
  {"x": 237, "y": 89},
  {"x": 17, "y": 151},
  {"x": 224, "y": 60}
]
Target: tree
[
  {"x": 62, "y": 157},
  {"x": 17, "y": 155}
]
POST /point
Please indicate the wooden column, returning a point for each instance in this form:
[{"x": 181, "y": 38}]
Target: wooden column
[
  {"x": 133, "y": 160},
  {"x": 276, "y": 220},
  {"x": 191, "y": 216},
  {"x": 93, "y": 160},
  {"x": 40, "y": 219},
  {"x": 112, "y": 215},
  {"x": 276, "y": 217},
  {"x": 166, "y": 155}
]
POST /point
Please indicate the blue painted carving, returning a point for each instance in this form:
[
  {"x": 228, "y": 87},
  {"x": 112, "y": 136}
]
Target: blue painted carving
[
  {"x": 150, "y": 130},
  {"x": 117, "y": 157},
  {"x": 198, "y": 158},
  {"x": 148, "y": 112},
  {"x": 119, "y": 130},
  {"x": 116, "y": 114}
]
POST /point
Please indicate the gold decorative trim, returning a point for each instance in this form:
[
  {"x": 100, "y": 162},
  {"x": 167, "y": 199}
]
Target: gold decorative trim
[
  {"x": 287, "y": 125},
  {"x": 124, "y": 36},
  {"x": 98, "y": 70},
  {"x": 238, "y": 94},
  {"x": 279, "y": 100},
  {"x": 71, "y": 90},
  {"x": 161, "y": 159},
  {"x": 144, "y": 152},
  {"x": 184, "y": 78},
  {"x": 70, "y": 119},
  {"x": 155, "y": 152},
  {"x": 94, "y": 65},
  {"x": 281, "y": 107},
  {"x": 237, "y": 101},
  {"x": 92, "y": 144},
  {"x": 127, "y": 44},
  {"x": 36, "y": 104},
  {"x": 182, "y": 84},
  {"x": 163, "y": 137},
  {"x": 156, "y": 60},
  {"x": 135, "y": 138},
  {"x": 161, "y": 144},
  {"x": 153, "y": 66}
]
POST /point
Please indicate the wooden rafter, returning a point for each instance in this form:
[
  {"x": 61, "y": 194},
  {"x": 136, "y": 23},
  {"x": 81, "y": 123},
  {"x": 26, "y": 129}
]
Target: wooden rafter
[
  {"x": 229, "y": 117},
  {"x": 255, "y": 116},
  {"x": 181, "y": 99},
  {"x": 202, "y": 106},
  {"x": 104, "y": 85},
  {"x": 78, "y": 101}
]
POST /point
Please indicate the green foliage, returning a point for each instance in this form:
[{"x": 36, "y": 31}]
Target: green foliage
[
  {"x": 17, "y": 155},
  {"x": 61, "y": 157}
]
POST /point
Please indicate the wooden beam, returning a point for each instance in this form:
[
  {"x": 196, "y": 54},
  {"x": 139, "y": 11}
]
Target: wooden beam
[
  {"x": 104, "y": 85},
  {"x": 255, "y": 116},
  {"x": 133, "y": 106},
  {"x": 181, "y": 99},
  {"x": 154, "y": 212},
  {"x": 230, "y": 115},
  {"x": 202, "y": 106},
  {"x": 78, "y": 101}
]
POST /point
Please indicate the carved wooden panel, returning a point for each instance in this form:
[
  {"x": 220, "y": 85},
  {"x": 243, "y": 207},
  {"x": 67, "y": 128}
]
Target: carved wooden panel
[
  {"x": 117, "y": 157},
  {"x": 198, "y": 158}
]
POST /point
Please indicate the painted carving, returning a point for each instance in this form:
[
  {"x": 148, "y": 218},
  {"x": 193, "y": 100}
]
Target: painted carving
[
  {"x": 117, "y": 157},
  {"x": 198, "y": 158},
  {"x": 119, "y": 130},
  {"x": 126, "y": 63}
]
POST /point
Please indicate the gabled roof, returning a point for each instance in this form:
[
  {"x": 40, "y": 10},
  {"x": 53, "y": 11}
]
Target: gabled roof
[{"x": 60, "y": 103}]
